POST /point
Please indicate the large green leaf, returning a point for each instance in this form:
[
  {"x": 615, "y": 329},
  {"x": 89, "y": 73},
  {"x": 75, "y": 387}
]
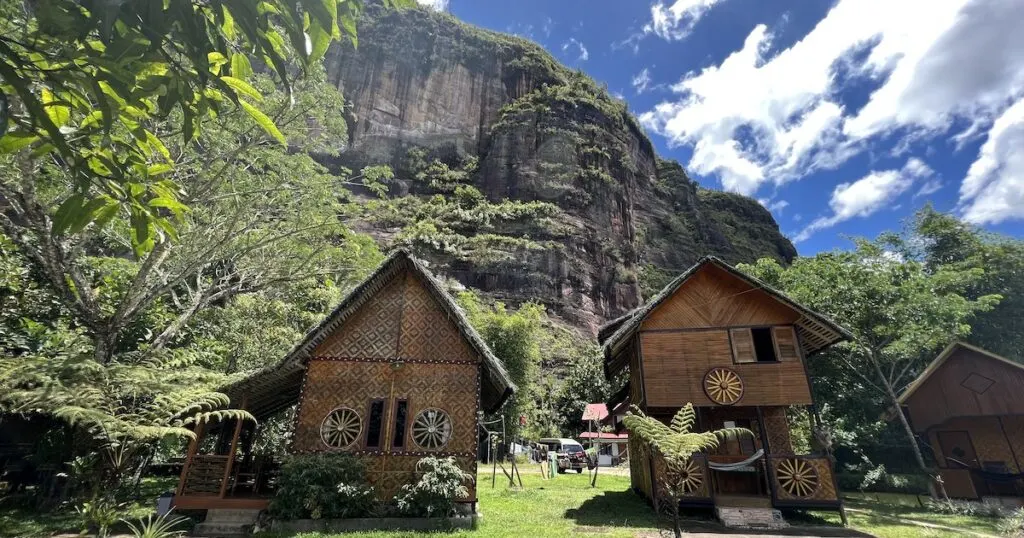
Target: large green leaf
[{"x": 263, "y": 121}]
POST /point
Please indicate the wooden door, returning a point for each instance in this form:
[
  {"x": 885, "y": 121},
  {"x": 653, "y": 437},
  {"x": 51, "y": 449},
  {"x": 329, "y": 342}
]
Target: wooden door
[{"x": 958, "y": 450}]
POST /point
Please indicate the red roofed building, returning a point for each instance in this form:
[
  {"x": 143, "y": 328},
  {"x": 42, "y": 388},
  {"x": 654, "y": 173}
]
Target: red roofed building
[{"x": 611, "y": 447}]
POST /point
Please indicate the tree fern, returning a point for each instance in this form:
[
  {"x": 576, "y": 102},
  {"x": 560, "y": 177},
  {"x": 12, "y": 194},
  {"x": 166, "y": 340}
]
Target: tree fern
[{"x": 675, "y": 444}]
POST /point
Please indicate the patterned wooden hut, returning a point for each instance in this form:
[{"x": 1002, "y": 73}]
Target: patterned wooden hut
[
  {"x": 737, "y": 350},
  {"x": 393, "y": 374},
  {"x": 968, "y": 408}
]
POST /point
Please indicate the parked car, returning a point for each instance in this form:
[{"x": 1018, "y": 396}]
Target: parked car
[{"x": 570, "y": 454}]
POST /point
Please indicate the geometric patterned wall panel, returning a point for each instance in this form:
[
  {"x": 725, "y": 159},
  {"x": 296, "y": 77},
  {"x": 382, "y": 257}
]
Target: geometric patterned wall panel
[
  {"x": 427, "y": 333},
  {"x": 388, "y": 473},
  {"x": 331, "y": 384},
  {"x": 1014, "y": 427},
  {"x": 399, "y": 345},
  {"x": 776, "y": 428},
  {"x": 371, "y": 332},
  {"x": 987, "y": 436},
  {"x": 451, "y": 388},
  {"x": 815, "y": 471}
]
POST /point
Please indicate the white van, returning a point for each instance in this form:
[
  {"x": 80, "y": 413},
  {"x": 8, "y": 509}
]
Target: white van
[{"x": 571, "y": 454}]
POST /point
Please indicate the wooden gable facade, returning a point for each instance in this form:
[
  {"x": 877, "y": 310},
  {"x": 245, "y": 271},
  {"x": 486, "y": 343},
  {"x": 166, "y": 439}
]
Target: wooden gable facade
[
  {"x": 394, "y": 374},
  {"x": 967, "y": 407},
  {"x": 736, "y": 350}
]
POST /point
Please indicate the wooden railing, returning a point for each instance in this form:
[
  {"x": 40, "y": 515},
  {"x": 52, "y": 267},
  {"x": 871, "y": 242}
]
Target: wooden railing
[
  {"x": 803, "y": 479},
  {"x": 205, "y": 475}
]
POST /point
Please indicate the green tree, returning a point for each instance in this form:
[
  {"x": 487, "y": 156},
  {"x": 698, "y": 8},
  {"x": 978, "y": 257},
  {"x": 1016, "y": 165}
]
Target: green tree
[
  {"x": 675, "y": 444},
  {"x": 512, "y": 336},
  {"x": 898, "y": 310},
  {"x": 85, "y": 82},
  {"x": 940, "y": 240},
  {"x": 261, "y": 216}
]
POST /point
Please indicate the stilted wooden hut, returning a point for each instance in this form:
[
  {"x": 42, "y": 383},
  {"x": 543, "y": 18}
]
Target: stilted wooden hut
[
  {"x": 736, "y": 349},
  {"x": 393, "y": 374},
  {"x": 968, "y": 408}
]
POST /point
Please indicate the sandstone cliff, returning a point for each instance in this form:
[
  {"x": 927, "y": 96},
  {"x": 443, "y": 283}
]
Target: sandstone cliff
[{"x": 522, "y": 178}]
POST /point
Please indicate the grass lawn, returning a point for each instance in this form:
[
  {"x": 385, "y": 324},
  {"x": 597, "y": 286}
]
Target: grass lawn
[{"x": 564, "y": 506}]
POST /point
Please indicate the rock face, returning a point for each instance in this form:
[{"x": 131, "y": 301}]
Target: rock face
[{"x": 549, "y": 189}]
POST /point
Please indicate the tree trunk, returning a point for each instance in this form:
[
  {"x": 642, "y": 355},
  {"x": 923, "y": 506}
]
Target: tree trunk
[
  {"x": 675, "y": 518},
  {"x": 105, "y": 341},
  {"x": 894, "y": 401}
]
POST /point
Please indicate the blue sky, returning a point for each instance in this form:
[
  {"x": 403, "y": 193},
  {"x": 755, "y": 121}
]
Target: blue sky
[{"x": 841, "y": 117}]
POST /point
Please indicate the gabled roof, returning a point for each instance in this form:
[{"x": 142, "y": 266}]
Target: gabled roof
[
  {"x": 595, "y": 411},
  {"x": 943, "y": 357},
  {"x": 817, "y": 331},
  {"x": 274, "y": 388}
]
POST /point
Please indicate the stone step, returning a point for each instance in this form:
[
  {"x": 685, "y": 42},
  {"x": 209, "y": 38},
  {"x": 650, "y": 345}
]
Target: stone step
[
  {"x": 232, "y": 515},
  {"x": 221, "y": 530},
  {"x": 751, "y": 518}
]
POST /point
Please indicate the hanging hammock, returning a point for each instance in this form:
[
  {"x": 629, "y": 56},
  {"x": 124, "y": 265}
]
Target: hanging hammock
[
  {"x": 738, "y": 465},
  {"x": 992, "y": 476}
]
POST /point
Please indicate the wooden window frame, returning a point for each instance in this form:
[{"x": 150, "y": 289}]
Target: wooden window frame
[
  {"x": 749, "y": 329},
  {"x": 775, "y": 347},
  {"x": 798, "y": 355},
  {"x": 732, "y": 345},
  {"x": 369, "y": 424},
  {"x": 394, "y": 424}
]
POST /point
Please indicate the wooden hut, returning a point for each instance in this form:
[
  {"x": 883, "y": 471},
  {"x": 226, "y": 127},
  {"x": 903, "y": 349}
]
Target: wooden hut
[
  {"x": 968, "y": 408},
  {"x": 736, "y": 349},
  {"x": 393, "y": 374}
]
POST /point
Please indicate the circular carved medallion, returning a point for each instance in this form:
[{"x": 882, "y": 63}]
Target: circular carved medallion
[
  {"x": 691, "y": 477},
  {"x": 432, "y": 429},
  {"x": 340, "y": 428},
  {"x": 723, "y": 386},
  {"x": 797, "y": 477}
]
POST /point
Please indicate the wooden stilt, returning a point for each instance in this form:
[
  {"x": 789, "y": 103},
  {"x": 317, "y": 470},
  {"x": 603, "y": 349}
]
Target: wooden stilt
[
  {"x": 193, "y": 447},
  {"x": 231, "y": 454}
]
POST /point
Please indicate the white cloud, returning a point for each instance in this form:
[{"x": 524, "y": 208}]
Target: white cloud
[
  {"x": 676, "y": 21},
  {"x": 866, "y": 196},
  {"x": 777, "y": 206},
  {"x": 642, "y": 80},
  {"x": 549, "y": 24},
  {"x": 932, "y": 186},
  {"x": 760, "y": 116},
  {"x": 438, "y": 5},
  {"x": 573, "y": 42},
  {"x": 993, "y": 190}
]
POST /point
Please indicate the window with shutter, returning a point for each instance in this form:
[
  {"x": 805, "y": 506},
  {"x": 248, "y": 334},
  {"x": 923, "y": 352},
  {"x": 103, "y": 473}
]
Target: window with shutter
[
  {"x": 742, "y": 345},
  {"x": 785, "y": 344}
]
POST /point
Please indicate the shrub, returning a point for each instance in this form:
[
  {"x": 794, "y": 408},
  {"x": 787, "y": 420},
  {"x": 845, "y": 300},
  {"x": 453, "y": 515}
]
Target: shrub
[
  {"x": 441, "y": 482},
  {"x": 1013, "y": 524},
  {"x": 326, "y": 485},
  {"x": 158, "y": 527},
  {"x": 965, "y": 508},
  {"x": 913, "y": 484}
]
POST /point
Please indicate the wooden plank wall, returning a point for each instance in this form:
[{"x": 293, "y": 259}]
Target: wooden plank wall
[
  {"x": 990, "y": 442},
  {"x": 687, "y": 335},
  {"x": 942, "y": 396},
  {"x": 674, "y": 365},
  {"x": 714, "y": 298}
]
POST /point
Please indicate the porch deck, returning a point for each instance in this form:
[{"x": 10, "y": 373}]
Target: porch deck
[{"x": 209, "y": 502}]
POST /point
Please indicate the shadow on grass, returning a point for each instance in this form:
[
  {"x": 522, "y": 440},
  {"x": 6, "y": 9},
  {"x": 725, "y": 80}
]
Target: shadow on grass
[
  {"x": 613, "y": 509},
  {"x": 627, "y": 509}
]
